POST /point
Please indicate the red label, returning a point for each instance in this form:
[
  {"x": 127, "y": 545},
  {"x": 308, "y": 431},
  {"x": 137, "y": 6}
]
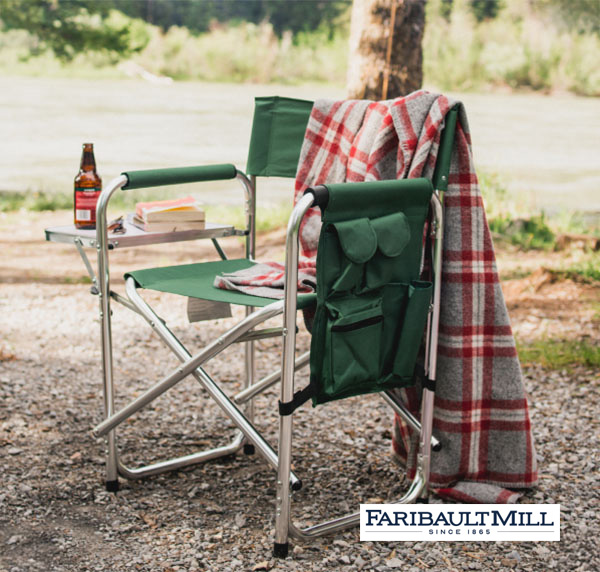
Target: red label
[{"x": 86, "y": 198}]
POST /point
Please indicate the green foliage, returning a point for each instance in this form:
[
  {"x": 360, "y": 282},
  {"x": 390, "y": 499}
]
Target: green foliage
[
  {"x": 555, "y": 354},
  {"x": 246, "y": 52},
  {"x": 584, "y": 270},
  {"x": 445, "y": 9},
  {"x": 528, "y": 233},
  {"x": 34, "y": 201},
  {"x": 527, "y": 45},
  {"x": 485, "y": 9},
  {"x": 513, "y": 221},
  {"x": 577, "y": 15},
  {"x": 199, "y": 15},
  {"x": 67, "y": 27},
  {"x": 523, "y": 46}
]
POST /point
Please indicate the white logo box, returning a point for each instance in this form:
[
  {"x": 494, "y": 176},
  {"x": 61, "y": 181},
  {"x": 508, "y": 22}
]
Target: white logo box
[{"x": 460, "y": 522}]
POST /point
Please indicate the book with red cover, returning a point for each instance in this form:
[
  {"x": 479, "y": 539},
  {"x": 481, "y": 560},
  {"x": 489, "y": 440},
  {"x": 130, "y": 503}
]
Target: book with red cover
[{"x": 172, "y": 210}]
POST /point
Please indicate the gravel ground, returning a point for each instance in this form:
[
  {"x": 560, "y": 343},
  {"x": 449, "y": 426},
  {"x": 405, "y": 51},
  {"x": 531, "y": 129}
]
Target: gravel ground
[{"x": 56, "y": 516}]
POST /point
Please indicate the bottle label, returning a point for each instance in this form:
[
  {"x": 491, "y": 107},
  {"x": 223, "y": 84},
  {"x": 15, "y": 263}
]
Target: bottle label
[{"x": 86, "y": 198}]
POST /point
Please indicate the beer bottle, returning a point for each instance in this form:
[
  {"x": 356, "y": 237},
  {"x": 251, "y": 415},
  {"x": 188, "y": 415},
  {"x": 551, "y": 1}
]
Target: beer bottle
[{"x": 87, "y": 189}]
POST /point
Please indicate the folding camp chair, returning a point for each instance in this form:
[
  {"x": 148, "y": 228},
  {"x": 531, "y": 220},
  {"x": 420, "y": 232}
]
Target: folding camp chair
[{"x": 369, "y": 286}]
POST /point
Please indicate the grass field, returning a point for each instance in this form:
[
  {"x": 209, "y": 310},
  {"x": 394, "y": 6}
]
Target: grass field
[{"x": 545, "y": 149}]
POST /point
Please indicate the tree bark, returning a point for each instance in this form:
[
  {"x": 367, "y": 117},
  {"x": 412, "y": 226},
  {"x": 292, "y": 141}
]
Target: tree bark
[{"x": 386, "y": 54}]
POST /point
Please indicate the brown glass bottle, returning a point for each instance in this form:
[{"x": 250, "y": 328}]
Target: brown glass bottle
[{"x": 87, "y": 189}]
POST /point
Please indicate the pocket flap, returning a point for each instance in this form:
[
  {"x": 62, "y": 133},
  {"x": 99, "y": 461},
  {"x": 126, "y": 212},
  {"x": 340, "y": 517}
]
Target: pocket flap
[
  {"x": 358, "y": 239},
  {"x": 393, "y": 233}
]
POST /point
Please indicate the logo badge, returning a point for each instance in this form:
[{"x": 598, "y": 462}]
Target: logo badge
[{"x": 460, "y": 522}]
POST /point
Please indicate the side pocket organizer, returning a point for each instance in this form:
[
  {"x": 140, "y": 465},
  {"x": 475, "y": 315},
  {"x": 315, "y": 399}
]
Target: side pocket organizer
[
  {"x": 352, "y": 346},
  {"x": 412, "y": 328}
]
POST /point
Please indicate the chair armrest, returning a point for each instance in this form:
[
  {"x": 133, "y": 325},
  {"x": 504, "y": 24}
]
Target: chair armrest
[{"x": 178, "y": 175}]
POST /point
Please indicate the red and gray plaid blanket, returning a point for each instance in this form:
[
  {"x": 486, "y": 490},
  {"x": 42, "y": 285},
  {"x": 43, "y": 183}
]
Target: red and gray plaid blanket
[{"x": 481, "y": 415}]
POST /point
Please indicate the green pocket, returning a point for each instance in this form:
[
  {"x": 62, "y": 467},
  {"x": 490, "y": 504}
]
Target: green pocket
[
  {"x": 353, "y": 339},
  {"x": 413, "y": 326},
  {"x": 357, "y": 243},
  {"x": 393, "y": 236},
  {"x": 395, "y": 299}
]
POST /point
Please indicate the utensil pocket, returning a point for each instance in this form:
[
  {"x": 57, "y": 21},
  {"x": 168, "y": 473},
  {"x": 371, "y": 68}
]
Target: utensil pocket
[{"x": 412, "y": 328}]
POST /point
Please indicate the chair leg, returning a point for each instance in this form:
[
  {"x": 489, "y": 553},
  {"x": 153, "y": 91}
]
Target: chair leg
[
  {"x": 112, "y": 464},
  {"x": 112, "y": 458},
  {"x": 249, "y": 355},
  {"x": 424, "y": 455},
  {"x": 283, "y": 499},
  {"x": 283, "y": 492}
]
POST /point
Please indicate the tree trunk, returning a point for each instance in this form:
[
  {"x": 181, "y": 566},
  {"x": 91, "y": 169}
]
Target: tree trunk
[{"x": 386, "y": 54}]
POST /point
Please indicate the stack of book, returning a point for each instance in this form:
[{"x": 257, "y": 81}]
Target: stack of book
[{"x": 170, "y": 215}]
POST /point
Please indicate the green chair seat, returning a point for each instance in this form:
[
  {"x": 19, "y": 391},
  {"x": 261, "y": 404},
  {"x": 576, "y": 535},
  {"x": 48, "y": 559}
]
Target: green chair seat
[{"x": 196, "y": 281}]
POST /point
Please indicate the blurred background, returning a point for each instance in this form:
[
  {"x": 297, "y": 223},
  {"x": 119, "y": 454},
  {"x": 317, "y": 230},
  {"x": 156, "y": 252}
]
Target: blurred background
[{"x": 158, "y": 83}]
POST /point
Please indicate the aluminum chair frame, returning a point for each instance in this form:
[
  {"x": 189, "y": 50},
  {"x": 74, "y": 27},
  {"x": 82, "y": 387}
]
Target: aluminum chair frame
[
  {"x": 114, "y": 466},
  {"x": 418, "y": 490},
  {"x": 287, "y": 481},
  {"x": 247, "y": 436},
  {"x": 277, "y": 134}
]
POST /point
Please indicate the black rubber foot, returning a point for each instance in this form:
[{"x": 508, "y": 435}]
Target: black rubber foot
[
  {"x": 422, "y": 501},
  {"x": 281, "y": 550},
  {"x": 297, "y": 485},
  {"x": 112, "y": 486},
  {"x": 437, "y": 447},
  {"x": 249, "y": 449}
]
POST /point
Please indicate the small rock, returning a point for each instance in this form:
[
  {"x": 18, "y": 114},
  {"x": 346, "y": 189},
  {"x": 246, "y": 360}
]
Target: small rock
[
  {"x": 514, "y": 555},
  {"x": 394, "y": 563},
  {"x": 542, "y": 550},
  {"x": 240, "y": 520},
  {"x": 14, "y": 451}
]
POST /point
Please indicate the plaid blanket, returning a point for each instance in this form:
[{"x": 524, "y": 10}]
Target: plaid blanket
[
  {"x": 481, "y": 415},
  {"x": 266, "y": 279}
]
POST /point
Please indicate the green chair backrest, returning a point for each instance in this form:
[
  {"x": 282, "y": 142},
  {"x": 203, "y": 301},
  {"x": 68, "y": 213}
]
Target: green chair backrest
[
  {"x": 371, "y": 306},
  {"x": 278, "y": 133}
]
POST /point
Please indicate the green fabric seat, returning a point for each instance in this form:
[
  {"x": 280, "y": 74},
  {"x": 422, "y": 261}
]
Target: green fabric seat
[{"x": 196, "y": 281}]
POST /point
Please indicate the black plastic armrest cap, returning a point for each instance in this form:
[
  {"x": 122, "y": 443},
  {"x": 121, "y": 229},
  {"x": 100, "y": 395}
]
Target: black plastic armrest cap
[{"x": 321, "y": 195}]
